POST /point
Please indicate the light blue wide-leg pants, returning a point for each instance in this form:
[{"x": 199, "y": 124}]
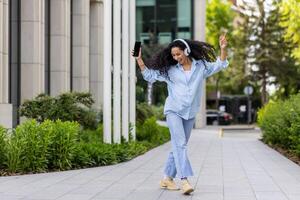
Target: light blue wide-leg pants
[{"x": 178, "y": 162}]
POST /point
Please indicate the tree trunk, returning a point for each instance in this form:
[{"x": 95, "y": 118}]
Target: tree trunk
[{"x": 264, "y": 88}]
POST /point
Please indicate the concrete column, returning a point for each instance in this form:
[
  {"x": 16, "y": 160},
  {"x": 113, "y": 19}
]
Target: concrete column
[
  {"x": 80, "y": 45},
  {"x": 132, "y": 75},
  {"x": 5, "y": 107},
  {"x": 60, "y": 20},
  {"x": 96, "y": 52},
  {"x": 199, "y": 34},
  {"x": 4, "y": 70},
  {"x": 107, "y": 27},
  {"x": 117, "y": 71},
  {"x": 125, "y": 66},
  {"x": 32, "y": 48}
]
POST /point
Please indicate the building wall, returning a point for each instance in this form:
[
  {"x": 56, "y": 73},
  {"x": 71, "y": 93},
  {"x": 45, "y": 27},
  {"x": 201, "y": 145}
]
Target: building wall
[
  {"x": 60, "y": 51},
  {"x": 5, "y": 106},
  {"x": 96, "y": 52},
  {"x": 56, "y": 46}
]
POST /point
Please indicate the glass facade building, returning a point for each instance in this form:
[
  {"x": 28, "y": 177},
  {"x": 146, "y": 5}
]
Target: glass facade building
[{"x": 161, "y": 21}]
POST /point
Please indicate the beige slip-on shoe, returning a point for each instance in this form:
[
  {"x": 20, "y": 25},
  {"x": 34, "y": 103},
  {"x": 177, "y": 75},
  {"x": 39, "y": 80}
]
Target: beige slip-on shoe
[
  {"x": 186, "y": 187},
  {"x": 168, "y": 184}
]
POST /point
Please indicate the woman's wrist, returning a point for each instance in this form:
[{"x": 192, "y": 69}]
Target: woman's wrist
[
  {"x": 140, "y": 63},
  {"x": 223, "y": 54}
]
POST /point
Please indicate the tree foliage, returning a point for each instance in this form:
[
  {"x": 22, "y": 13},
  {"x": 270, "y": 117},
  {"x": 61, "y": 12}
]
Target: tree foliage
[
  {"x": 262, "y": 41},
  {"x": 269, "y": 54},
  {"x": 290, "y": 15},
  {"x": 220, "y": 18}
]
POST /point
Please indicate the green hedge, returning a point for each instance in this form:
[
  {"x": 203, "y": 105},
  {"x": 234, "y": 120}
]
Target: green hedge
[
  {"x": 73, "y": 106},
  {"x": 55, "y": 145},
  {"x": 143, "y": 112},
  {"x": 150, "y": 131},
  {"x": 2, "y": 146},
  {"x": 34, "y": 147},
  {"x": 280, "y": 123}
]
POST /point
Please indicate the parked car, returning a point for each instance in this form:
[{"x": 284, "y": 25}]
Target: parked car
[{"x": 215, "y": 117}]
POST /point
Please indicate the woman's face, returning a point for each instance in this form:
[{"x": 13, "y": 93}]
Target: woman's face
[{"x": 178, "y": 55}]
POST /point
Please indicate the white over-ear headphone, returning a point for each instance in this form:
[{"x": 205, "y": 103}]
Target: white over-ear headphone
[{"x": 187, "y": 50}]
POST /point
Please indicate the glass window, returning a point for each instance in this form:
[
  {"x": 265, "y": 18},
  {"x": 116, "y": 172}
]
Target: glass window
[{"x": 161, "y": 21}]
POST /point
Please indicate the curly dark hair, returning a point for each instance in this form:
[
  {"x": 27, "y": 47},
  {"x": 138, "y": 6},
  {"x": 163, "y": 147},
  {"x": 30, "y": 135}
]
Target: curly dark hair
[{"x": 163, "y": 60}]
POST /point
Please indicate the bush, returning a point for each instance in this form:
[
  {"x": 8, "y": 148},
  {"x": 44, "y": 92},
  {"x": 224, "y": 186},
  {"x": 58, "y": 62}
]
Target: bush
[
  {"x": 150, "y": 131},
  {"x": 92, "y": 135},
  {"x": 66, "y": 107},
  {"x": 2, "y": 146},
  {"x": 143, "y": 112},
  {"x": 34, "y": 141},
  {"x": 280, "y": 123},
  {"x": 63, "y": 146},
  {"x": 100, "y": 154},
  {"x": 56, "y": 145},
  {"x": 35, "y": 147},
  {"x": 159, "y": 112},
  {"x": 97, "y": 154}
]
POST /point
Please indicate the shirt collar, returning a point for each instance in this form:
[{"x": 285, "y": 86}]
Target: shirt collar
[{"x": 194, "y": 63}]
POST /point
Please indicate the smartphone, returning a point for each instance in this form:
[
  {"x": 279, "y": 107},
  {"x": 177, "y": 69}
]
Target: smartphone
[{"x": 136, "y": 49}]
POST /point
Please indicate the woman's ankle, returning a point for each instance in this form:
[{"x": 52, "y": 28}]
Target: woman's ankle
[{"x": 168, "y": 178}]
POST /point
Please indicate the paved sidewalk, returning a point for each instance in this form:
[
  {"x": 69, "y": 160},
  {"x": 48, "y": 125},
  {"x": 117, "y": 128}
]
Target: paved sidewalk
[{"x": 235, "y": 167}]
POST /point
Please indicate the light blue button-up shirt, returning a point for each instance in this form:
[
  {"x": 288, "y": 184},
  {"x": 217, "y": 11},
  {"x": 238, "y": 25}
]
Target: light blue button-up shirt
[{"x": 184, "y": 96}]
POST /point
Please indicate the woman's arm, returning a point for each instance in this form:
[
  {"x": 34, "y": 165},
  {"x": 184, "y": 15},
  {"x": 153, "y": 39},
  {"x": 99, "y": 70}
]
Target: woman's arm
[
  {"x": 149, "y": 75},
  {"x": 223, "y": 45},
  {"x": 221, "y": 62},
  {"x": 140, "y": 61}
]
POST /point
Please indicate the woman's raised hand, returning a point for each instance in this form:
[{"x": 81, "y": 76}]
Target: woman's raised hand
[
  {"x": 139, "y": 59},
  {"x": 140, "y": 54},
  {"x": 223, "y": 41}
]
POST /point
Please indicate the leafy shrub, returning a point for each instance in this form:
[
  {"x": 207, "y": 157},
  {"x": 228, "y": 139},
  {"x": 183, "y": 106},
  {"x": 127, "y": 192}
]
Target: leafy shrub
[
  {"x": 136, "y": 148},
  {"x": 143, "y": 112},
  {"x": 92, "y": 135},
  {"x": 35, "y": 147},
  {"x": 66, "y": 107},
  {"x": 99, "y": 154},
  {"x": 34, "y": 140},
  {"x": 2, "y": 146},
  {"x": 63, "y": 145},
  {"x": 280, "y": 123},
  {"x": 293, "y": 114},
  {"x": 159, "y": 112},
  {"x": 56, "y": 145},
  {"x": 150, "y": 131},
  {"x": 274, "y": 124},
  {"x": 81, "y": 157}
]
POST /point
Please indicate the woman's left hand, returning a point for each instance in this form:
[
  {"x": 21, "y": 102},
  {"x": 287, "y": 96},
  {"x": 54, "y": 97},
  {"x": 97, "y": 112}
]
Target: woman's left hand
[{"x": 223, "y": 41}]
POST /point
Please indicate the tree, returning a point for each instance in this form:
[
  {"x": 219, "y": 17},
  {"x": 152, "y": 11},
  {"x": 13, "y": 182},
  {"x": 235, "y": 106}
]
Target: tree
[
  {"x": 269, "y": 55},
  {"x": 290, "y": 16},
  {"x": 284, "y": 68},
  {"x": 219, "y": 19}
]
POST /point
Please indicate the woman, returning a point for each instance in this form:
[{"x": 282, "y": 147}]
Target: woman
[{"x": 182, "y": 65}]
